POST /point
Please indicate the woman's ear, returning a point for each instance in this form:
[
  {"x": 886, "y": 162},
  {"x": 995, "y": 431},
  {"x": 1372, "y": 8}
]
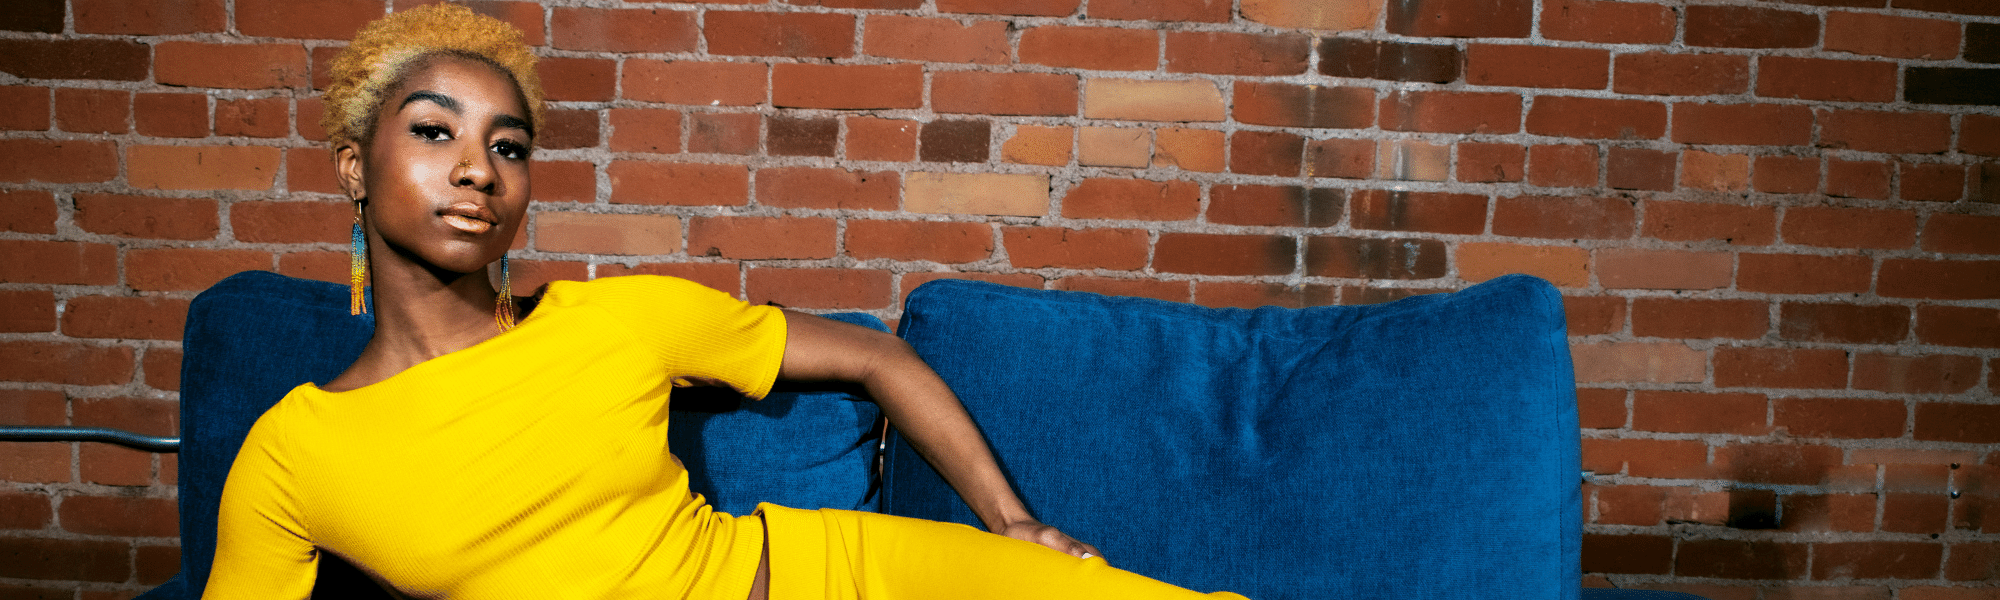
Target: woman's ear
[{"x": 347, "y": 168}]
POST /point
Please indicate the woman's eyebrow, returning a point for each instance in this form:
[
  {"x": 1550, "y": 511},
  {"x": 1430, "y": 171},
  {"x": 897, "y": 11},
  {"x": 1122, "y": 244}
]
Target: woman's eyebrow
[
  {"x": 437, "y": 98},
  {"x": 506, "y": 121}
]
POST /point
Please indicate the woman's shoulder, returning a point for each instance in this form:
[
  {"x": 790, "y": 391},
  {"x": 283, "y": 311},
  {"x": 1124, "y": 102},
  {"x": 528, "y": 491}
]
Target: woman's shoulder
[{"x": 631, "y": 291}]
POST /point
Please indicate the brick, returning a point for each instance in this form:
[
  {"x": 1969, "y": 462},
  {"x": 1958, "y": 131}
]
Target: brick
[
  {"x": 716, "y": 275},
  {"x": 1562, "y": 166},
  {"x": 122, "y": 516},
  {"x": 1700, "y": 221},
  {"x": 65, "y": 363},
  {"x": 1803, "y": 274},
  {"x": 1190, "y": 149},
  {"x": 935, "y": 40},
  {"x": 1634, "y": 554},
  {"x": 234, "y": 66},
  {"x": 255, "y": 117},
  {"x": 144, "y": 217},
  {"x": 1915, "y": 513},
  {"x": 125, "y": 317},
  {"x": 155, "y": 565},
  {"x": 1132, "y": 199},
  {"x": 1928, "y": 374},
  {"x": 807, "y": 187},
  {"x": 1338, "y": 157},
  {"x": 820, "y": 288},
  {"x": 1229, "y": 53},
  {"x": 61, "y": 263},
  {"x": 1938, "y": 85},
  {"x": 1624, "y": 268},
  {"x": 28, "y": 108},
  {"x": 1537, "y": 66},
  {"x": 1034, "y": 8},
  {"x": 1630, "y": 505},
  {"x": 47, "y": 161},
  {"x": 1601, "y": 408},
  {"x": 871, "y": 138},
  {"x": 565, "y": 129},
  {"x": 1285, "y": 105},
  {"x": 306, "y": 119},
  {"x": 1413, "y": 160},
  {"x": 25, "y": 511},
  {"x": 1036, "y": 145},
  {"x": 1961, "y": 234},
  {"x": 1776, "y": 464},
  {"x": 695, "y": 83},
  {"x": 1092, "y": 48},
  {"x": 911, "y": 281},
  {"x": 1692, "y": 412},
  {"x": 979, "y": 92},
  {"x": 1608, "y": 22},
  {"x": 1654, "y": 362},
  {"x": 1876, "y": 560},
  {"x": 801, "y": 136},
  {"x": 874, "y": 4},
  {"x": 1780, "y": 368},
  {"x": 1481, "y": 162},
  {"x": 1857, "y": 179},
  {"x": 1434, "y": 212},
  {"x": 1375, "y": 258},
  {"x": 792, "y": 34},
  {"x": 1743, "y": 124},
  {"x": 1273, "y": 153},
  {"x": 107, "y": 59},
  {"x": 1785, "y": 174},
  {"x": 762, "y": 238},
  {"x": 1958, "y": 422},
  {"x": 1844, "y": 323},
  {"x": 1667, "y": 459},
  {"x": 1114, "y": 147},
  {"x": 163, "y": 369},
  {"x": 201, "y": 167},
  {"x": 954, "y": 141},
  {"x": 631, "y": 30},
  {"x": 113, "y": 465},
  {"x": 1044, "y": 247},
  {"x": 1974, "y": 561},
  {"x": 1829, "y": 512},
  {"x": 27, "y": 311},
  {"x": 1873, "y": 131},
  {"x": 682, "y": 184},
  {"x": 1171, "y": 291},
  {"x": 168, "y": 17},
  {"x": 1849, "y": 227},
  {"x": 578, "y": 79},
  {"x": 1682, "y": 318},
  {"x": 1221, "y": 254},
  {"x": 1451, "y": 112},
  {"x": 1595, "y": 118},
  {"x": 621, "y": 234},
  {"x": 1267, "y": 205},
  {"x": 1207, "y": 11},
  {"x": 1826, "y": 79},
  {"x": 1561, "y": 265},
  {"x": 191, "y": 269},
  {"x": 65, "y": 560},
  {"x": 1931, "y": 182},
  {"x": 1891, "y": 36},
  {"x": 1392, "y": 61},
  {"x": 1460, "y": 18},
  {"x": 646, "y": 130},
  {"x": 171, "y": 115},
  {"x": 92, "y": 111},
  {"x": 563, "y": 181},
  {"x": 947, "y": 242},
  {"x": 1666, "y": 74},
  {"x": 1978, "y": 134},
  {"x": 333, "y": 20},
  {"x": 1232, "y": 294},
  {"x": 1595, "y": 315},
  {"x": 1563, "y": 217},
  {"x": 724, "y": 133},
  {"x": 320, "y": 266},
  {"x": 43, "y": 17},
  {"x": 1715, "y": 172},
  {"x": 1916, "y": 592},
  {"x": 1750, "y": 27},
  {"x": 27, "y": 211},
  {"x": 1024, "y": 195},
  {"x": 1353, "y": 295},
  {"x": 525, "y": 16},
  {"x": 803, "y": 85},
  {"x": 1138, "y": 100}
]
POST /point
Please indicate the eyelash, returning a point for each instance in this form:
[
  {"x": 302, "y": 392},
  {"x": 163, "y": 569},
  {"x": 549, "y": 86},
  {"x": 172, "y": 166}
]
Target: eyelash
[{"x": 505, "y": 148}]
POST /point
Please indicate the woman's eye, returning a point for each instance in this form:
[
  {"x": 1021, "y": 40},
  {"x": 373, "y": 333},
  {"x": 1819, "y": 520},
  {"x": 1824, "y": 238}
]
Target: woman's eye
[
  {"x": 431, "y": 132},
  {"x": 510, "y": 150}
]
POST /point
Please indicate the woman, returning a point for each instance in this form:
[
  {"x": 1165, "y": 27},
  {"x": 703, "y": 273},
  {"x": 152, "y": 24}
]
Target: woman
[{"x": 484, "y": 445}]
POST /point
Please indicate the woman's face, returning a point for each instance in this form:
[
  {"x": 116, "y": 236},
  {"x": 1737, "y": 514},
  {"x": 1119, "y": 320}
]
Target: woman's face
[{"x": 445, "y": 172}]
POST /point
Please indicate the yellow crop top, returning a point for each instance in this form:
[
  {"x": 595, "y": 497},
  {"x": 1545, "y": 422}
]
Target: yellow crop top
[{"x": 532, "y": 465}]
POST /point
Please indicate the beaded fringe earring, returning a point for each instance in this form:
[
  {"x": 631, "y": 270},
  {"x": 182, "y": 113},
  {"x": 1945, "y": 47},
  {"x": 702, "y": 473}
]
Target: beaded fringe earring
[
  {"x": 503, "y": 307},
  {"x": 357, "y": 267}
]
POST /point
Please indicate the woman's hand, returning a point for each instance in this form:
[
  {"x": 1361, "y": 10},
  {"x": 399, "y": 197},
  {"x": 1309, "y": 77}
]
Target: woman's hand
[{"x": 1047, "y": 535}]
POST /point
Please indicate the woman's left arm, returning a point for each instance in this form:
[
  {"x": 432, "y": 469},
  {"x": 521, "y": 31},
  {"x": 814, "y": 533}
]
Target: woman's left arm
[{"x": 924, "y": 410}]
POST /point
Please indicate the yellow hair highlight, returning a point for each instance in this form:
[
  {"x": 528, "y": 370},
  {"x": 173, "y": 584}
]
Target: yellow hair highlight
[{"x": 381, "y": 51}]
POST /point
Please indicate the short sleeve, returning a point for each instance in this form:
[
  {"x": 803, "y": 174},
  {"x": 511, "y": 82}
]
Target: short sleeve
[
  {"x": 702, "y": 335},
  {"x": 262, "y": 549}
]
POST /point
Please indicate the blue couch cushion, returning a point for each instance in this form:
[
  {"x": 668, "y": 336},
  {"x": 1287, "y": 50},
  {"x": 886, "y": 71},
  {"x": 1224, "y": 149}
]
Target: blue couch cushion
[
  {"x": 255, "y": 335},
  {"x": 1425, "y": 448}
]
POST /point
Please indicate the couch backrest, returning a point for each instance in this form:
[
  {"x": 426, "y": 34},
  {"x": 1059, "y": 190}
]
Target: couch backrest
[
  {"x": 255, "y": 335},
  {"x": 1425, "y": 448}
]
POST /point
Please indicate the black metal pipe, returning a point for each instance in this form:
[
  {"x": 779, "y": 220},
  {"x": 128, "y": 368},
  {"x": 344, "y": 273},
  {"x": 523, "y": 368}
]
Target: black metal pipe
[{"x": 13, "y": 433}]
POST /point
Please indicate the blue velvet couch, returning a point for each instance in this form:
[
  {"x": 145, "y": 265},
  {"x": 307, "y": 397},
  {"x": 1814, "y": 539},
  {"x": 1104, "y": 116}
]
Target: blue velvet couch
[{"x": 1425, "y": 448}]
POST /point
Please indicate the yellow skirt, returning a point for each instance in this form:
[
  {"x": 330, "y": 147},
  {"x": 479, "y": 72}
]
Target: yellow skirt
[{"x": 846, "y": 555}]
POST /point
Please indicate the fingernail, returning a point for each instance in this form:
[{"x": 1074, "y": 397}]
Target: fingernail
[{"x": 1088, "y": 556}]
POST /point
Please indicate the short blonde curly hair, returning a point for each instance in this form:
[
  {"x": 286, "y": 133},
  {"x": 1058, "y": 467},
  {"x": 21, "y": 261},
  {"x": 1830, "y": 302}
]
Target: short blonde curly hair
[{"x": 382, "y": 51}]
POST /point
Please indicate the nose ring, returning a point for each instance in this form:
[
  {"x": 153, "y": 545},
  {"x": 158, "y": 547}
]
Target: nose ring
[{"x": 464, "y": 164}]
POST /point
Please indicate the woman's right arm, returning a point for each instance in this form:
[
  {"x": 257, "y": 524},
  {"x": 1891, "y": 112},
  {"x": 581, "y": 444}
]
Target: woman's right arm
[{"x": 261, "y": 548}]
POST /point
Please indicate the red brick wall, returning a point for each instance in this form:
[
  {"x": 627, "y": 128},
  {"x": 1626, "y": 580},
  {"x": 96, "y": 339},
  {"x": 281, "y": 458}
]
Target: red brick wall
[{"x": 1778, "y": 224}]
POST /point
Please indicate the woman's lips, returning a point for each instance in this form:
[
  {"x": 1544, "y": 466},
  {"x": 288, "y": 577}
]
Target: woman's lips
[{"x": 468, "y": 217}]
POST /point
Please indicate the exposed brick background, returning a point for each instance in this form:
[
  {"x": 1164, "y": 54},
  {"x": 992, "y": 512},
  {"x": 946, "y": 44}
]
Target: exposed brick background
[{"x": 1776, "y": 223}]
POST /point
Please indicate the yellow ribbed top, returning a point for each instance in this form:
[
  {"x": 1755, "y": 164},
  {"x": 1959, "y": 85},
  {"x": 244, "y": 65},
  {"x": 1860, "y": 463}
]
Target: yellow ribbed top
[{"x": 532, "y": 465}]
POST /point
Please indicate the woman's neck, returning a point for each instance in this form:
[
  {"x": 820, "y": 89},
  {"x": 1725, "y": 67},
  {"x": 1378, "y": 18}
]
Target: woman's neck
[{"x": 421, "y": 314}]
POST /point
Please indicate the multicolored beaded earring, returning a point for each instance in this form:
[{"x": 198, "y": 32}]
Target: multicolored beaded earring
[
  {"x": 357, "y": 267},
  {"x": 503, "y": 307}
]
